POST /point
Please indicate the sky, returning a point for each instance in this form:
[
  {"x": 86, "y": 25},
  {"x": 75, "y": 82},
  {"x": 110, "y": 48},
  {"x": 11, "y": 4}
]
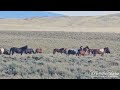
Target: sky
[
  {"x": 27, "y": 14},
  {"x": 85, "y": 13}
]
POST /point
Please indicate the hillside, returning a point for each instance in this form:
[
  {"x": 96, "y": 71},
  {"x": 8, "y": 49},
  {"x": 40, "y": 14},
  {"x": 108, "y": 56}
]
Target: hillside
[{"x": 61, "y": 23}]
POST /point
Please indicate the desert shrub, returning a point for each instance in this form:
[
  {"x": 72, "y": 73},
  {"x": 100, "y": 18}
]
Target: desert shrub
[
  {"x": 37, "y": 58},
  {"x": 11, "y": 69},
  {"x": 114, "y": 64}
]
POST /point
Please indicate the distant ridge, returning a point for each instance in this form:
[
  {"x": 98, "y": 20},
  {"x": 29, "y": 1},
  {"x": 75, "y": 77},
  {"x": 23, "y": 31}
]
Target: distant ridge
[
  {"x": 111, "y": 20},
  {"x": 116, "y": 14}
]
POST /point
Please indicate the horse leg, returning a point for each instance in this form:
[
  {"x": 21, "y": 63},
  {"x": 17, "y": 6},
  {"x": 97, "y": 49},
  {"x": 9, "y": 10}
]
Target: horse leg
[
  {"x": 25, "y": 52},
  {"x": 68, "y": 55},
  {"x": 102, "y": 54},
  {"x": 12, "y": 52},
  {"x": 94, "y": 55},
  {"x": 61, "y": 52},
  {"x": 54, "y": 52},
  {"x": 80, "y": 55},
  {"x": 21, "y": 53},
  {"x": 76, "y": 54}
]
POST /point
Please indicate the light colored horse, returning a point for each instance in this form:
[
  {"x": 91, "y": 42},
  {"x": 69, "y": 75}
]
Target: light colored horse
[{"x": 2, "y": 50}]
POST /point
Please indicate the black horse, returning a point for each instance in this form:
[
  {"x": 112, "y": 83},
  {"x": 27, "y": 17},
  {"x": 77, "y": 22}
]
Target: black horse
[
  {"x": 29, "y": 51},
  {"x": 18, "y": 50}
]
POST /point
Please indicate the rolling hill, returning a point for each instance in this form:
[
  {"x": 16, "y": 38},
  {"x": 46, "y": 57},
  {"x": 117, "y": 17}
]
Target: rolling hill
[{"x": 61, "y": 23}]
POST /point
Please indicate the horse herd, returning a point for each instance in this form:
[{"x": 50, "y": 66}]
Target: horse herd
[
  {"x": 20, "y": 50},
  {"x": 82, "y": 51}
]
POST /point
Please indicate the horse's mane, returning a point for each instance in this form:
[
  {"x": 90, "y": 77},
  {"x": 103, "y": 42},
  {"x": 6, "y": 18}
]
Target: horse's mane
[
  {"x": 84, "y": 49},
  {"x": 25, "y": 47}
]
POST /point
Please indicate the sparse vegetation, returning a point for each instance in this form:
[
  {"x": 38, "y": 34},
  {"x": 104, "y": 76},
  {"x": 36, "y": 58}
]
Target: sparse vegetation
[{"x": 49, "y": 66}]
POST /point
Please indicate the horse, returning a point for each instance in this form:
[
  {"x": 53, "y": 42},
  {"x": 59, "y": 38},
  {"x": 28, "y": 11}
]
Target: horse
[
  {"x": 61, "y": 50},
  {"x": 84, "y": 51},
  {"x": 38, "y": 50},
  {"x": 18, "y": 50},
  {"x": 73, "y": 51},
  {"x": 4, "y": 51},
  {"x": 100, "y": 51},
  {"x": 30, "y": 51}
]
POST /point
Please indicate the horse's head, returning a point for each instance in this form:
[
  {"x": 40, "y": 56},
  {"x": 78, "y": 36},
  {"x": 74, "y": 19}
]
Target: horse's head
[
  {"x": 81, "y": 47},
  {"x": 107, "y": 50},
  {"x": 40, "y": 50},
  {"x": 26, "y": 46},
  {"x": 87, "y": 47},
  {"x": 54, "y": 51}
]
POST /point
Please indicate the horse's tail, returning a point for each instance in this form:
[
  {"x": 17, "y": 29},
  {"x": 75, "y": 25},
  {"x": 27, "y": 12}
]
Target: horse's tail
[
  {"x": 34, "y": 52},
  {"x": 54, "y": 51}
]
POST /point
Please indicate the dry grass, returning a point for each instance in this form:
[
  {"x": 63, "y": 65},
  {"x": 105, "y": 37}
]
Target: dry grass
[
  {"x": 49, "y": 66},
  {"x": 108, "y": 23}
]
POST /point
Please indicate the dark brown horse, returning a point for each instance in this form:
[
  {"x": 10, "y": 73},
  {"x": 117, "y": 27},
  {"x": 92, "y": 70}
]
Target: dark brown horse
[
  {"x": 100, "y": 51},
  {"x": 61, "y": 50},
  {"x": 29, "y": 51},
  {"x": 38, "y": 50}
]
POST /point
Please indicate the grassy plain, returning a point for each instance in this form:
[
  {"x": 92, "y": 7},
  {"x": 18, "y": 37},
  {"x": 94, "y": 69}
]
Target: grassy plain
[{"x": 49, "y": 66}]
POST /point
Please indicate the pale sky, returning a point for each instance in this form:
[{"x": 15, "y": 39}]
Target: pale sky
[
  {"x": 84, "y": 13},
  {"x": 26, "y": 14}
]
